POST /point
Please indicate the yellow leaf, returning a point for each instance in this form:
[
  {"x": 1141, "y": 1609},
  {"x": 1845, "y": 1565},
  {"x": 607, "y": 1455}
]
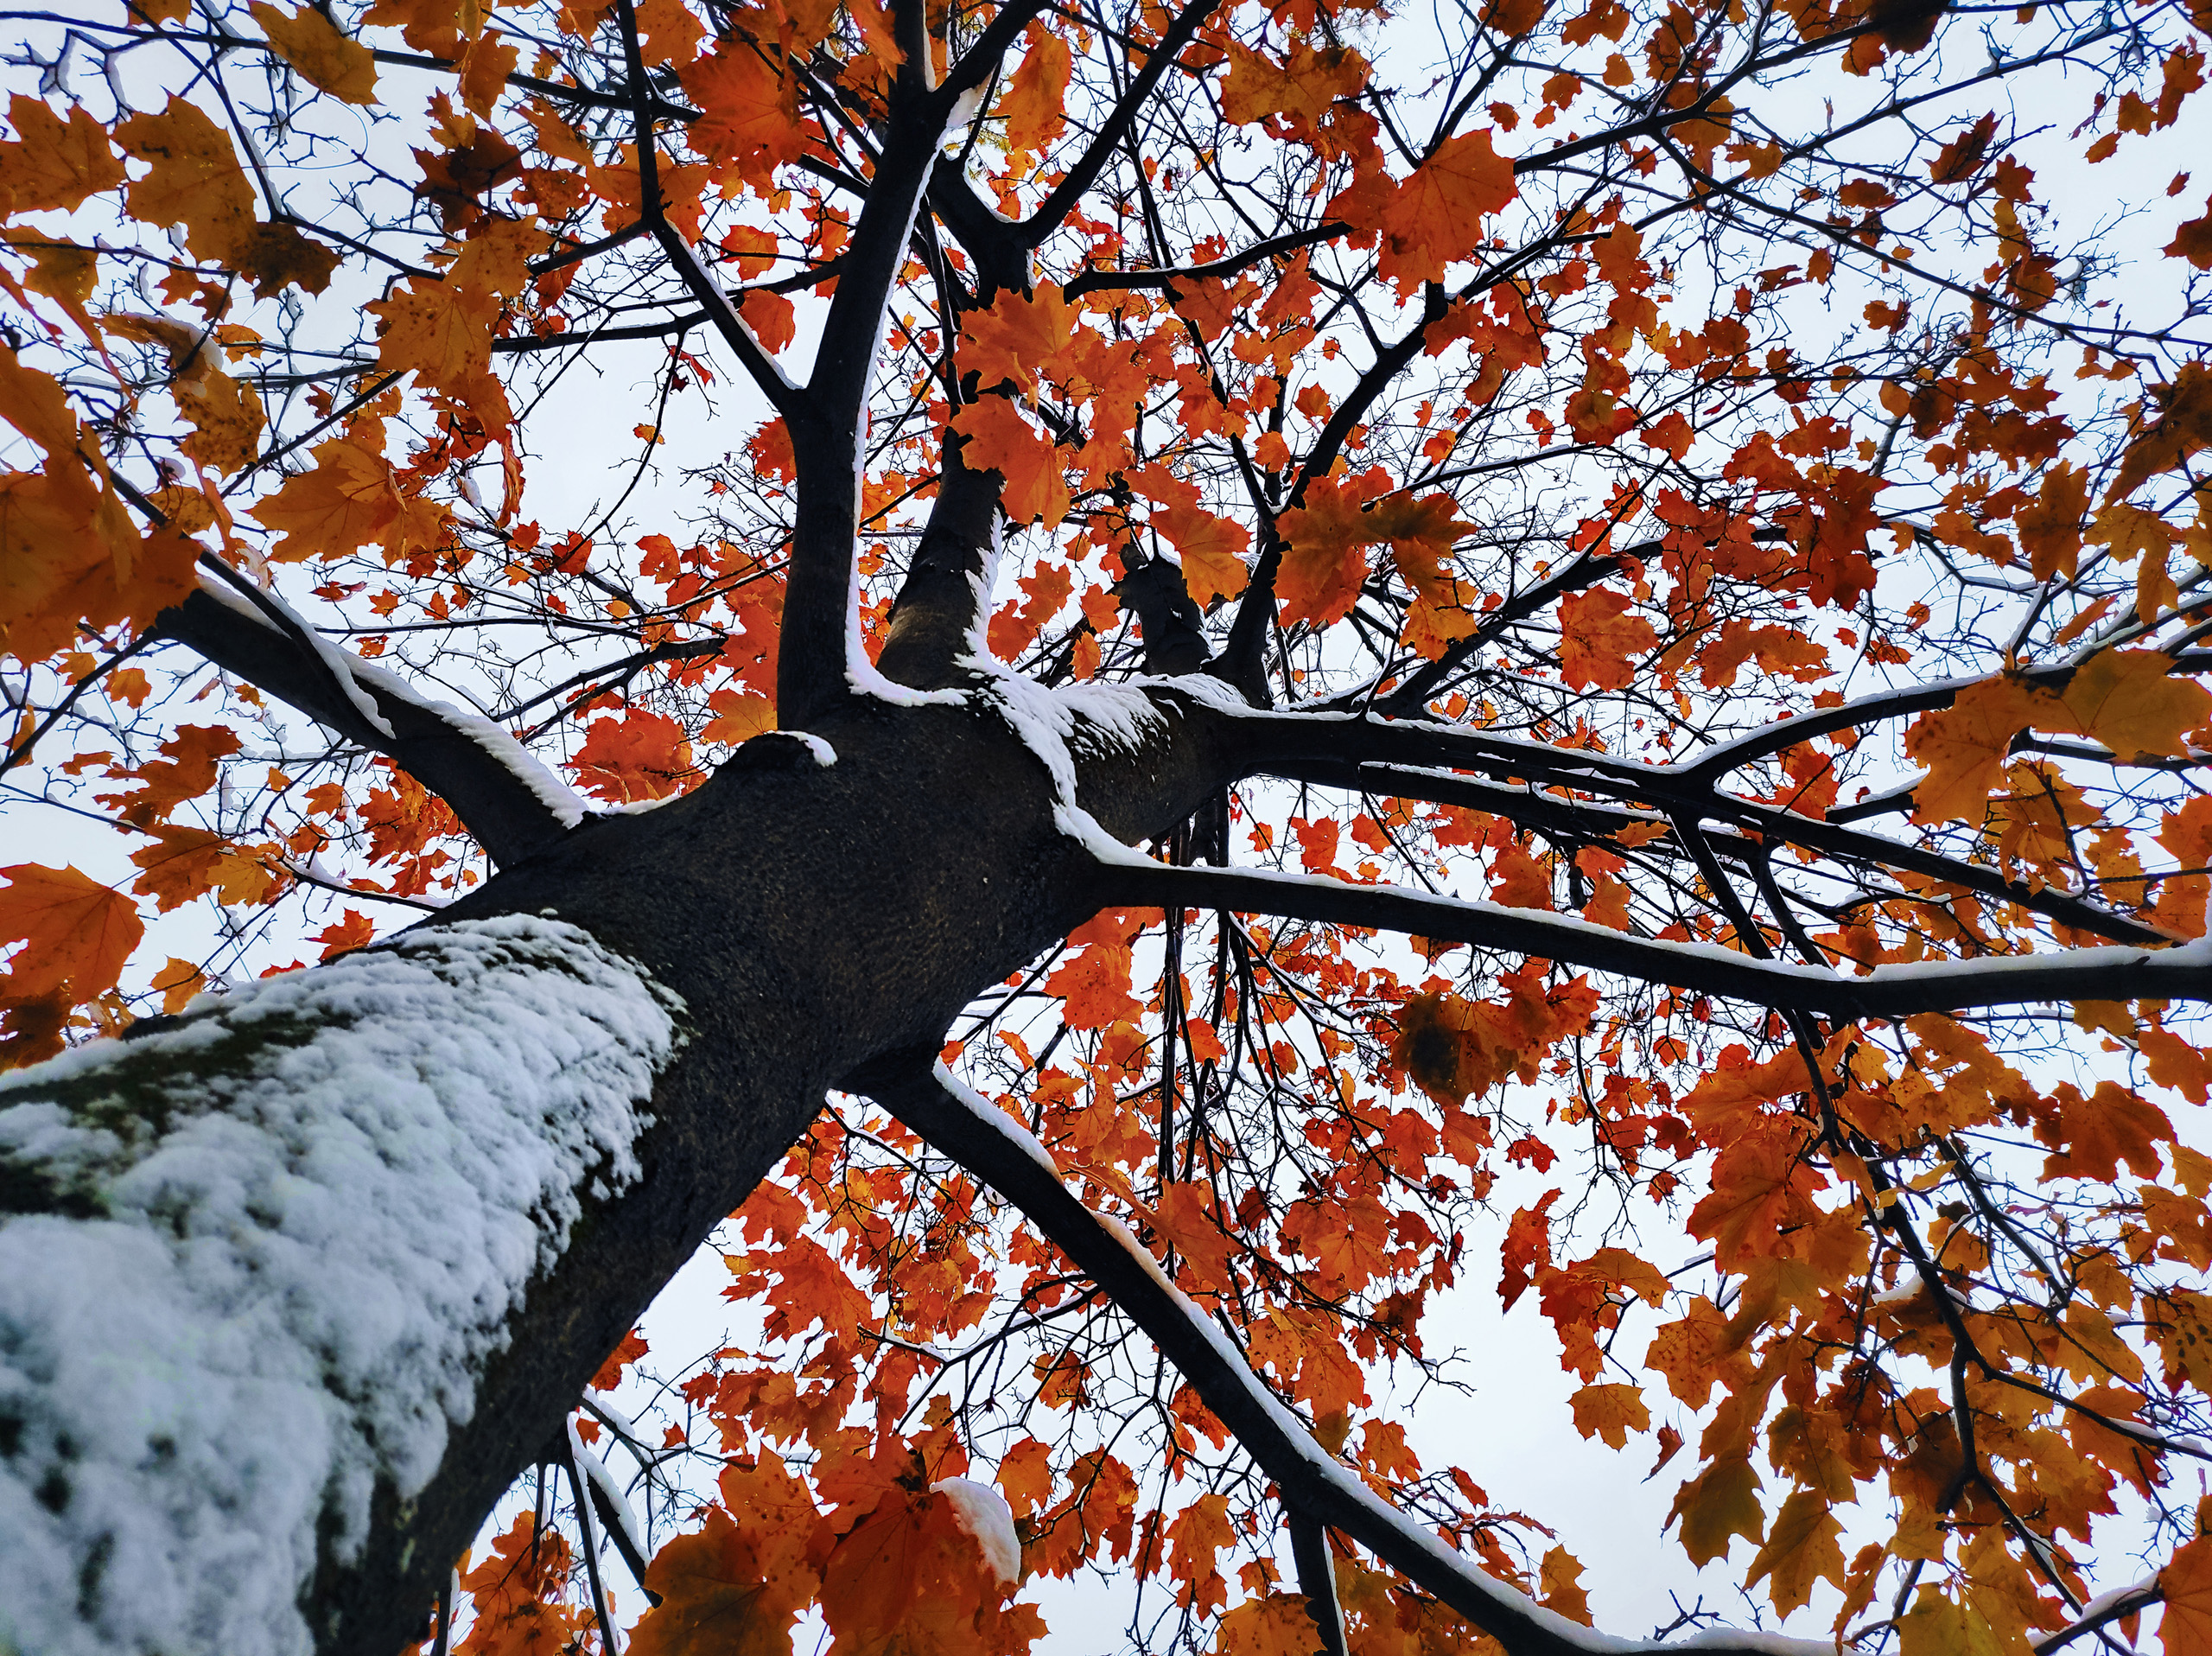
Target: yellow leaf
[
  {"x": 65, "y": 273},
  {"x": 1937, "y": 1626},
  {"x": 1270, "y": 1624},
  {"x": 2125, "y": 699},
  {"x": 738, "y": 715},
  {"x": 1610, "y": 1413},
  {"x": 227, "y": 421},
  {"x": 1800, "y": 1550},
  {"x": 484, "y": 72},
  {"x": 438, "y": 329},
  {"x": 1720, "y": 1502},
  {"x": 1963, "y": 747},
  {"x": 35, "y": 403},
  {"x": 2187, "y": 1582},
  {"x": 69, "y": 552},
  {"x": 323, "y": 57},
  {"x": 347, "y": 501},
  {"x": 1559, "y": 1582},
  {"x": 178, "y": 981},
  {"x": 53, "y": 163},
  {"x": 1300, "y": 91},
  {"x": 195, "y": 179}
]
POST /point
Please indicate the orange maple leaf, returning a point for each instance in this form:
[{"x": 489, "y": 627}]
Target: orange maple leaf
[
  {"x": 1000, "y": 439},
  {"x": 1610, "y": 1412},
  {"x": 355, "y": 931},
  {"x": 55, "y": 161},
  {"x": 514, "y": 1588},
  {"x": 75, "y": 931},
  {"x": 184, "y": 862},
  {"x": 346, "y": 501},
  {"x": 1211, "y": 550},
  {"x": 749, "y": 113},
  {"x": 2126, "y": 699},
  {"x": 1436, "y": 215},
  {"x": 1297, "y": 93},
  {"x": 736, "y": 1585},
  {"x": 310, "y": 42},
  {"x": 1962, "y": 747},
  {"x": 1016, "y": 336},
  {"x": 1036, "y": 98},
  {"x": 1598, "y": 639},
  {"x": 195, "y": 180},
  {"x": 640, "y": 756},
  {"x": 1720, "y": 1502},
  {"x": 1324, "y": 558},
  {"x": 2186, "y": 1581},
  {"x": 1025, "y": 1476},
  {"x": 911, "y": 1577}
]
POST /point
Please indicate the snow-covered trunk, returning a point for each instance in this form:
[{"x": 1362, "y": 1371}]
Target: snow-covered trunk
[
  {"x": 255, "y": 1259},
  {"x": 292, "y": 1286}
]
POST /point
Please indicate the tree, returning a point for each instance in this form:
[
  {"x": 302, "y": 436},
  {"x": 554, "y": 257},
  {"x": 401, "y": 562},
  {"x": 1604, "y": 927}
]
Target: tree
[{"x": 1311, "y": 620}]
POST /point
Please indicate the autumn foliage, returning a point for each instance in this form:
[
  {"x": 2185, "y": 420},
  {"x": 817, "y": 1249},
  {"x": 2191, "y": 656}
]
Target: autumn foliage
[{"x": 1707, "y": 503}]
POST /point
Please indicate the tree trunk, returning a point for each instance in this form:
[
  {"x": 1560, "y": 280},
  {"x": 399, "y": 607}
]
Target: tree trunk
[{"x": 662, "y": 998}]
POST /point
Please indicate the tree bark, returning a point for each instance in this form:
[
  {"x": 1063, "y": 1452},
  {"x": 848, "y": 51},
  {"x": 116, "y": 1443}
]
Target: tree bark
[{"x": 810, "y": 918}]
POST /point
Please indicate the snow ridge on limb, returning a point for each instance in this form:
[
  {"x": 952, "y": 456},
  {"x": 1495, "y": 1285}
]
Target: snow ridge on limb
[
  {"x": 253, "y": 1262},
  {"x": 2114, "y": 973},
  {"x": 512, "y": 803},
  {"x": 962, "y": 1124}
]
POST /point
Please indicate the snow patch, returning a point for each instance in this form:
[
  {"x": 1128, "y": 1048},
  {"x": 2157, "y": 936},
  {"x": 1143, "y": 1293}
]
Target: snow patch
[
  {"x": 825, "y": 754},
  {"x": 982, "y": 1512},
  {"x": 265, "y": 1254},
  {"x": 998, "y": 1120}
]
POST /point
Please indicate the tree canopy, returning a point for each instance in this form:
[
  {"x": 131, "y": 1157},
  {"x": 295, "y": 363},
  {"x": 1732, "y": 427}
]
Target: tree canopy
[{"x": 1312, "y": 657}]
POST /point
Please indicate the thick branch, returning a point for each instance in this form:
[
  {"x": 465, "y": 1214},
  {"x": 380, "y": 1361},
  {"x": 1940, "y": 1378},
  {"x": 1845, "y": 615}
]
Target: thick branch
[
  {"x": 941, "y": 601},
  {"x": 2183, "y": 973},
  {"x": 1399, "y": 757},
  {"x": 812, "y": 664},
  {"x": 1095, "y": 281},
  {"x": 988, "y": 1143},
  {"x": 512, "y": 803}
]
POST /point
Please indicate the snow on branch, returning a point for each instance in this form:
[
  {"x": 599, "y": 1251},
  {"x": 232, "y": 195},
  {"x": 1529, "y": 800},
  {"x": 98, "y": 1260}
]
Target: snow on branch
[
  {"x": 964, "y": 1125},
  {"x": 2116, "y": 973},
  {"x": 509, "y": 801},
  {"x": 253, "y": 1262}
]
